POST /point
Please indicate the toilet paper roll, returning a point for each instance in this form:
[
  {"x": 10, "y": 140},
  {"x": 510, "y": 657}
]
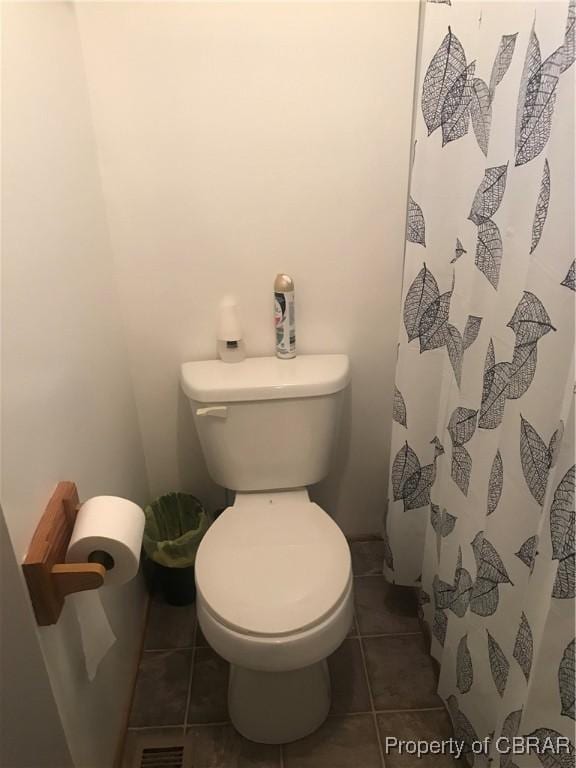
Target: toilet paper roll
[
  {"x": 108, "y": 530},
  {"x": 113, "y": 526}
]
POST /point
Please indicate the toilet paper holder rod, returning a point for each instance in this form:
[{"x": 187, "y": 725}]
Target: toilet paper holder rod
[{"x": 48, "y": 577}]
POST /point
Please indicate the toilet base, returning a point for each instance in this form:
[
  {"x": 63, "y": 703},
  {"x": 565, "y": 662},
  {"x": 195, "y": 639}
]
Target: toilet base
[{"x": 278, "y": 707}]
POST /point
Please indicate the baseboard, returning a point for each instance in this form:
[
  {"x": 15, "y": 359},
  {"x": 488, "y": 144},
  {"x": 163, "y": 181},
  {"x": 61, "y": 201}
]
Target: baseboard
[{"x": 119, "y": 754}]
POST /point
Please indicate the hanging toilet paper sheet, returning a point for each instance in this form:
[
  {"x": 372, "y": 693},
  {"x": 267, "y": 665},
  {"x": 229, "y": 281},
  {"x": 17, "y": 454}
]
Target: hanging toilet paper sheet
[{"x": 96, "y": 633}]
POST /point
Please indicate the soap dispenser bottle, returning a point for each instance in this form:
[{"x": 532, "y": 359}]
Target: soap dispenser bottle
[{"x": 230, "y": 344}]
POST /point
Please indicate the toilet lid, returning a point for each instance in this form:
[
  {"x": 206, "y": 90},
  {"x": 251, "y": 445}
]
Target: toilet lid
[{"x": 273, "y": 568}]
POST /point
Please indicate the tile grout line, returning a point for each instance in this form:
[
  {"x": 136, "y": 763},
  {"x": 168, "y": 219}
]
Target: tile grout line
[
  {"x": 153, "y": 727},
  {"x": 140, "y": 728},
  {"x": 348, "y": 637},
  {"x": 168, "y": 650},
  {"x": 384, "y": 634},
  {"x": 331, "y": 715},
  {"x": 385, "y": 712},
  {"x": 192, "y": 662},
  {"x": 371, "y": 573},
  {"x": 370, "y": 694},
  {"x": 416, "y": 709},
  {"x": 218, "y": 723}
]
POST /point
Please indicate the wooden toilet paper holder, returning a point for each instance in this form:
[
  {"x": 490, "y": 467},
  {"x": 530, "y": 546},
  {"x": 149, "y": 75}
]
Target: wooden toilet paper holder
[{"x": 48, "y": 577}]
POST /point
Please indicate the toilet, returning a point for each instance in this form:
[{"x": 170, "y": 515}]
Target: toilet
[{"x": 273, "y": 573}]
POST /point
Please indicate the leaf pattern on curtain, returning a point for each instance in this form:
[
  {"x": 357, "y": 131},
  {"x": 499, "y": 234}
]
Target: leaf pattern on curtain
[
  {"x": 530, "y": 320},
  {"x": 532, "y": 62},
  {"x": 569, "y": 46},
  {"x": 399, "y": 408},
  {"x": 541, "y": 207},
  {"x": 456, "y": 596},
  {"x": 502, "y": 61},
  {"x": 461, "y": 428},
  {"x": 448, "y": 63},
  {"x": 494, "y": 389},
  {"x": 426, "y": 313},
  {"x": 527, "y": 552},
  {"x": 535, "y": 458},
  {"x": 442, "y": 522},
  {"x": 416, "y": 227},
  {"x": 510, "y": 381},
  {"x": 463, "y": 729},
  {"x": 555, "y": 444},
  {"x": 510, "y": 729},
  {"x": 551, "y": 751},
  {"x": 406, "y": 472},
  {"x": 440, "y": 625},
  {"x": 488, "y": 562},
  {"x": 495, "y": 483},
  {"x": 489, "y": 531},
  {"x": 499, "y": 664},
  {"x": 443, "y": 593},
  {"x": 538, "y": 100},
  {"x": 566, "y": 678},
  {"x": 490, "y": 573},
  {"x": 410, "y": 481},
  {"x": 433, "y": 325},
  {"x": 570, "y": 279},
  {"x": 471, "y": 330},
  {"x": 522, "y": 369},
  {"x": 489, "y": 251},
  {"x": 462, "y": 425},
  {"x": 455, "y": 347},
  {"x": 462, "y": 589},
  {"x": 489, "y": 194},
  {"x": 481, "y": 112},
  {"x": 524, "y": 647},
  {"x": 562, "y": 534},
  {"x": 461, "y": 467},
  {"x": 464, "y": 669},
  {"x": 452, "y": 96},
  {"x": 455, "y": 115},
  {"x": 422, "y": 294},
  {"x": 459, "y": 251}
]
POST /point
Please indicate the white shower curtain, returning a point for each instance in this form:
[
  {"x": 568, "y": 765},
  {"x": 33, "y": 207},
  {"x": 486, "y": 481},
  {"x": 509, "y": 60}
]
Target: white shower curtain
[{"x": 481, "y": 507}]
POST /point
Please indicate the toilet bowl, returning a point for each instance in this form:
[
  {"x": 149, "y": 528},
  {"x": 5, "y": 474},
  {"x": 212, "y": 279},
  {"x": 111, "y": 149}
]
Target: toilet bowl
[
  {"x": 274, "y": 598},
  {"x": 273, "y": 573}
]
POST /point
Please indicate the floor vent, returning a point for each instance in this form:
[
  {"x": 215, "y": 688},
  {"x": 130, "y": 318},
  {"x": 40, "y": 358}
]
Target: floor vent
[
  {"x": 157, "y": 750},
  {"x": 162, "y": 757}
]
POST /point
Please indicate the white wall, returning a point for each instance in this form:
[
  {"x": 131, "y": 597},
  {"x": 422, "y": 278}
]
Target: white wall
[
  {"x": 238, "y": 140},
  {"x": 24, "y": 679},
  {"x": 68, "y": 408}
]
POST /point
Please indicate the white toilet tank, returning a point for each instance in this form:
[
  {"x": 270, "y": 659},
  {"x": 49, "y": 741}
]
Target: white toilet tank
[{"x": 265, "y": 423}]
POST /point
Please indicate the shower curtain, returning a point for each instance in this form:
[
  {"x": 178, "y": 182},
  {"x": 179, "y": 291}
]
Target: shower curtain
[{"x": 481, "y": 504}]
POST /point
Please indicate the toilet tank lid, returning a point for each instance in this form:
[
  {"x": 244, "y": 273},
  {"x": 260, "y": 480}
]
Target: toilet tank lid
[{"x": 265, "y": 378}]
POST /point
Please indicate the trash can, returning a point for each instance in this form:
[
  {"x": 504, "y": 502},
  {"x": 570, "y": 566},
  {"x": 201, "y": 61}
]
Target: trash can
[{"x": 174, "y": 527}]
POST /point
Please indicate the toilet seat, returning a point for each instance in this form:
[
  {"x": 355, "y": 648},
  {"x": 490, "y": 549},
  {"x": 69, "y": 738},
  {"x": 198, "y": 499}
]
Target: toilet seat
[
  {"x": 280, "y": 653},
  {"x": 273, "y": 565}
]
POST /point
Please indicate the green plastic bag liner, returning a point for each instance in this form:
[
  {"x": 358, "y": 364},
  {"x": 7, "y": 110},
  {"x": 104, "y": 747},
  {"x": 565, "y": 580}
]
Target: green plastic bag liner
[{"x": 175, "y": 525}]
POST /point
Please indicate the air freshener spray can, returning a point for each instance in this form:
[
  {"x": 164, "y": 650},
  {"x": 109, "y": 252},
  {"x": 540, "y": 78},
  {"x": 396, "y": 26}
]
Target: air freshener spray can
[{"x": 284, "y": 317}]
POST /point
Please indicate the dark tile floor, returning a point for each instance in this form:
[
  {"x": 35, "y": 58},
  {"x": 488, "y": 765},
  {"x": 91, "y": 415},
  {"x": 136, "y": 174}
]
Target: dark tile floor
[{"x": 383, "y": 684}]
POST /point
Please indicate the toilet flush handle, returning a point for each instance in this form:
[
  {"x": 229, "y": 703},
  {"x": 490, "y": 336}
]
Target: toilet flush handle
[{"x": 219, "y": 411}]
